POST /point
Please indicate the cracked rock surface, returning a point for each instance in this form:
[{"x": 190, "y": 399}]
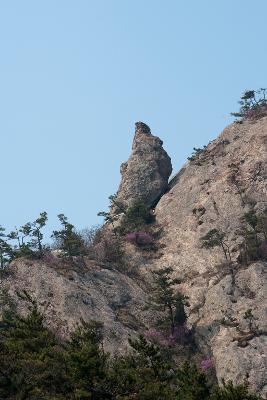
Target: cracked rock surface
[
  {"x": 200, "y": 197},
  {"x": 145, "y": 175}
]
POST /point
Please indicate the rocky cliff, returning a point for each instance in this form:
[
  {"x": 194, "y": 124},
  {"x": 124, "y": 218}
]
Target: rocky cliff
[
  {"x": 213, "y": 190},
  {"x": 203, "y": 196}
]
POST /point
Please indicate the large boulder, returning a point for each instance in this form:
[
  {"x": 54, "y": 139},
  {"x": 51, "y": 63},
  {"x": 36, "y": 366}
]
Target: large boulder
[{"x": 145, "y": 175}]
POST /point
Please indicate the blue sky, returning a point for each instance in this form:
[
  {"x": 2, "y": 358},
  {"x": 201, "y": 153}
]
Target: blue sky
[{"x": 76, "y": 75}]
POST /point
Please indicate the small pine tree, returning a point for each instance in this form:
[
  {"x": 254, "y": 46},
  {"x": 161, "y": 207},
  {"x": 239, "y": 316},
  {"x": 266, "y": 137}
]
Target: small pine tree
[
  {"x": 22, "y": 248},
  {"x": 169, "y": 300},
  {"x": 253, "y": 105},
  {"x": 68, "y": 240},
  {"x": 29, "y": 238},
  {"x": 6, "y": 252},
  {"x": 36, "y": 233},
  {"x": 86, "y": 361},
  {"x": 31, "y": 358},
  {"x": 230, "y": 392},
  {"x": 215, "y": 238},
  {"x": 192, "y": 383}
]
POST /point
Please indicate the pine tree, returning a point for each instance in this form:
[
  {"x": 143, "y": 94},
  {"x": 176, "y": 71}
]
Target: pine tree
[
  {"x": 31, "y": 358},
  {"x": 231, "y": 392},
  {"x": 68, "y": 240},
  {"x": 168, "y": 299},
  {"x": 86, "y": 362},
  {"x": 6, "y": 252},
  {"x": 215, "y": 238},
  {"x": 192, "y": 383}
]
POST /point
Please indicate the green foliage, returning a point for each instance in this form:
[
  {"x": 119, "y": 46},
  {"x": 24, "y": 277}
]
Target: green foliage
[
  {"x": 116, "y": 208},
  {"x": 249, "y": 317},
  {"x": 20, "y": 249},
  {"x": 136, "y": 216},
  {"x": 253, "y": 105},
  {"x": 192, "y": 383},
  {"x": 231, "y": 392},
  {"x": 215, "y": 238},
  {"x": 234, "y": 178},
  {"x": 68, "y": 240},
  {"x": 36, "y": 365},
  {"x": 6, "y": 251},
  {"x": 144, "y": 373},
  {"x": 170, "y": 301},
  {"x": 31, "y": 364},
  {"x": 254, "y": 233},
  {"x": 198, "y": 155},
  {"x": 36, "y": 233},
  {"x": 29, "y": 238},
  {"x": 132, "y": 218},
  {"x": 86, "y": 360}
]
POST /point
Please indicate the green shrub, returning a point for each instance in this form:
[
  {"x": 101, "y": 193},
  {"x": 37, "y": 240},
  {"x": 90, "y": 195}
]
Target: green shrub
[
  {"x": 136, "y": 218},
  {"x": 68, "y": 240},
  {"x": 231, "y": 392},
  {"x": 254, "y": 234},
  {"x": 36, "y": 365},
  {"x": 253, "y": 105}
]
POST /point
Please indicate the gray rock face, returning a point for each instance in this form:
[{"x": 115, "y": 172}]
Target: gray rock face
[
  {"x": 145, "y": 175},
  {"x": 200, "y": 197},
  {"x": 67, "y": 295}
]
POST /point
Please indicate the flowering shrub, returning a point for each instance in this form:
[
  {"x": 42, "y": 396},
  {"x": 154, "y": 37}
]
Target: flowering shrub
[
  {"x": 206, "y": 364},
  {"x": 108, "y": 248},
  {"x": 179, "y": 335},
  {"x": 139, "y": 238}
]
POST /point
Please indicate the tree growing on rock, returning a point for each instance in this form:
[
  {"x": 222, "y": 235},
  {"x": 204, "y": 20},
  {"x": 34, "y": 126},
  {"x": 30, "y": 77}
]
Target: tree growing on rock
[
  {"x": 254, "y": 233},
  {"x": 68, "y": 240},
  {"x": 116, "y": 208},
  {"x": 36, "y": 233},
  {"x": 215, "y": 238},
  {"x": 169, "y": 300},
  {"x": 253, "y": 105},
  {"x": 230, "y": 392},
  {"x": 22, "y": 247},
  {"x": 6, "y": 251},
  {"x": 29, "y": 238}
]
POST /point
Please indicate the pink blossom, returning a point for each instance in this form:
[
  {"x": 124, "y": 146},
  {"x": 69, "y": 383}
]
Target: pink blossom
[
  {"x": 206, "y": 364},
  {"x": 140, "y": 238}
]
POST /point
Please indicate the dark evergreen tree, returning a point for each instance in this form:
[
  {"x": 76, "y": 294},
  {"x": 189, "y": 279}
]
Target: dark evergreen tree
[
  {"x": 231, "y": 392},
  {"x": 36, "y": 233},
  {"x": 32, "y": 362},
  {"x": 215, "y": 238},
  {"x": 68, "y": 240},
  {"x": 6, "y": 251},
  {"x": 192, "y": 384},
  {"x": 168, "y": 299},
  {"x": 86, "y": 362}
]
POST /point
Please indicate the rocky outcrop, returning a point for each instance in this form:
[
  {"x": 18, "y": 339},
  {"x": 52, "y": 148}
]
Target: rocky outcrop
[
  {"x": 213, "y": 190},
  {"x": 201, "y": 197},
  {"x": 67, "y": 295},
  {"x": 145, "y": 175}
]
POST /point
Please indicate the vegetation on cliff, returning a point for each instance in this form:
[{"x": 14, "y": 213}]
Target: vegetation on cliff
[{"x": 35, "y": 364}]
